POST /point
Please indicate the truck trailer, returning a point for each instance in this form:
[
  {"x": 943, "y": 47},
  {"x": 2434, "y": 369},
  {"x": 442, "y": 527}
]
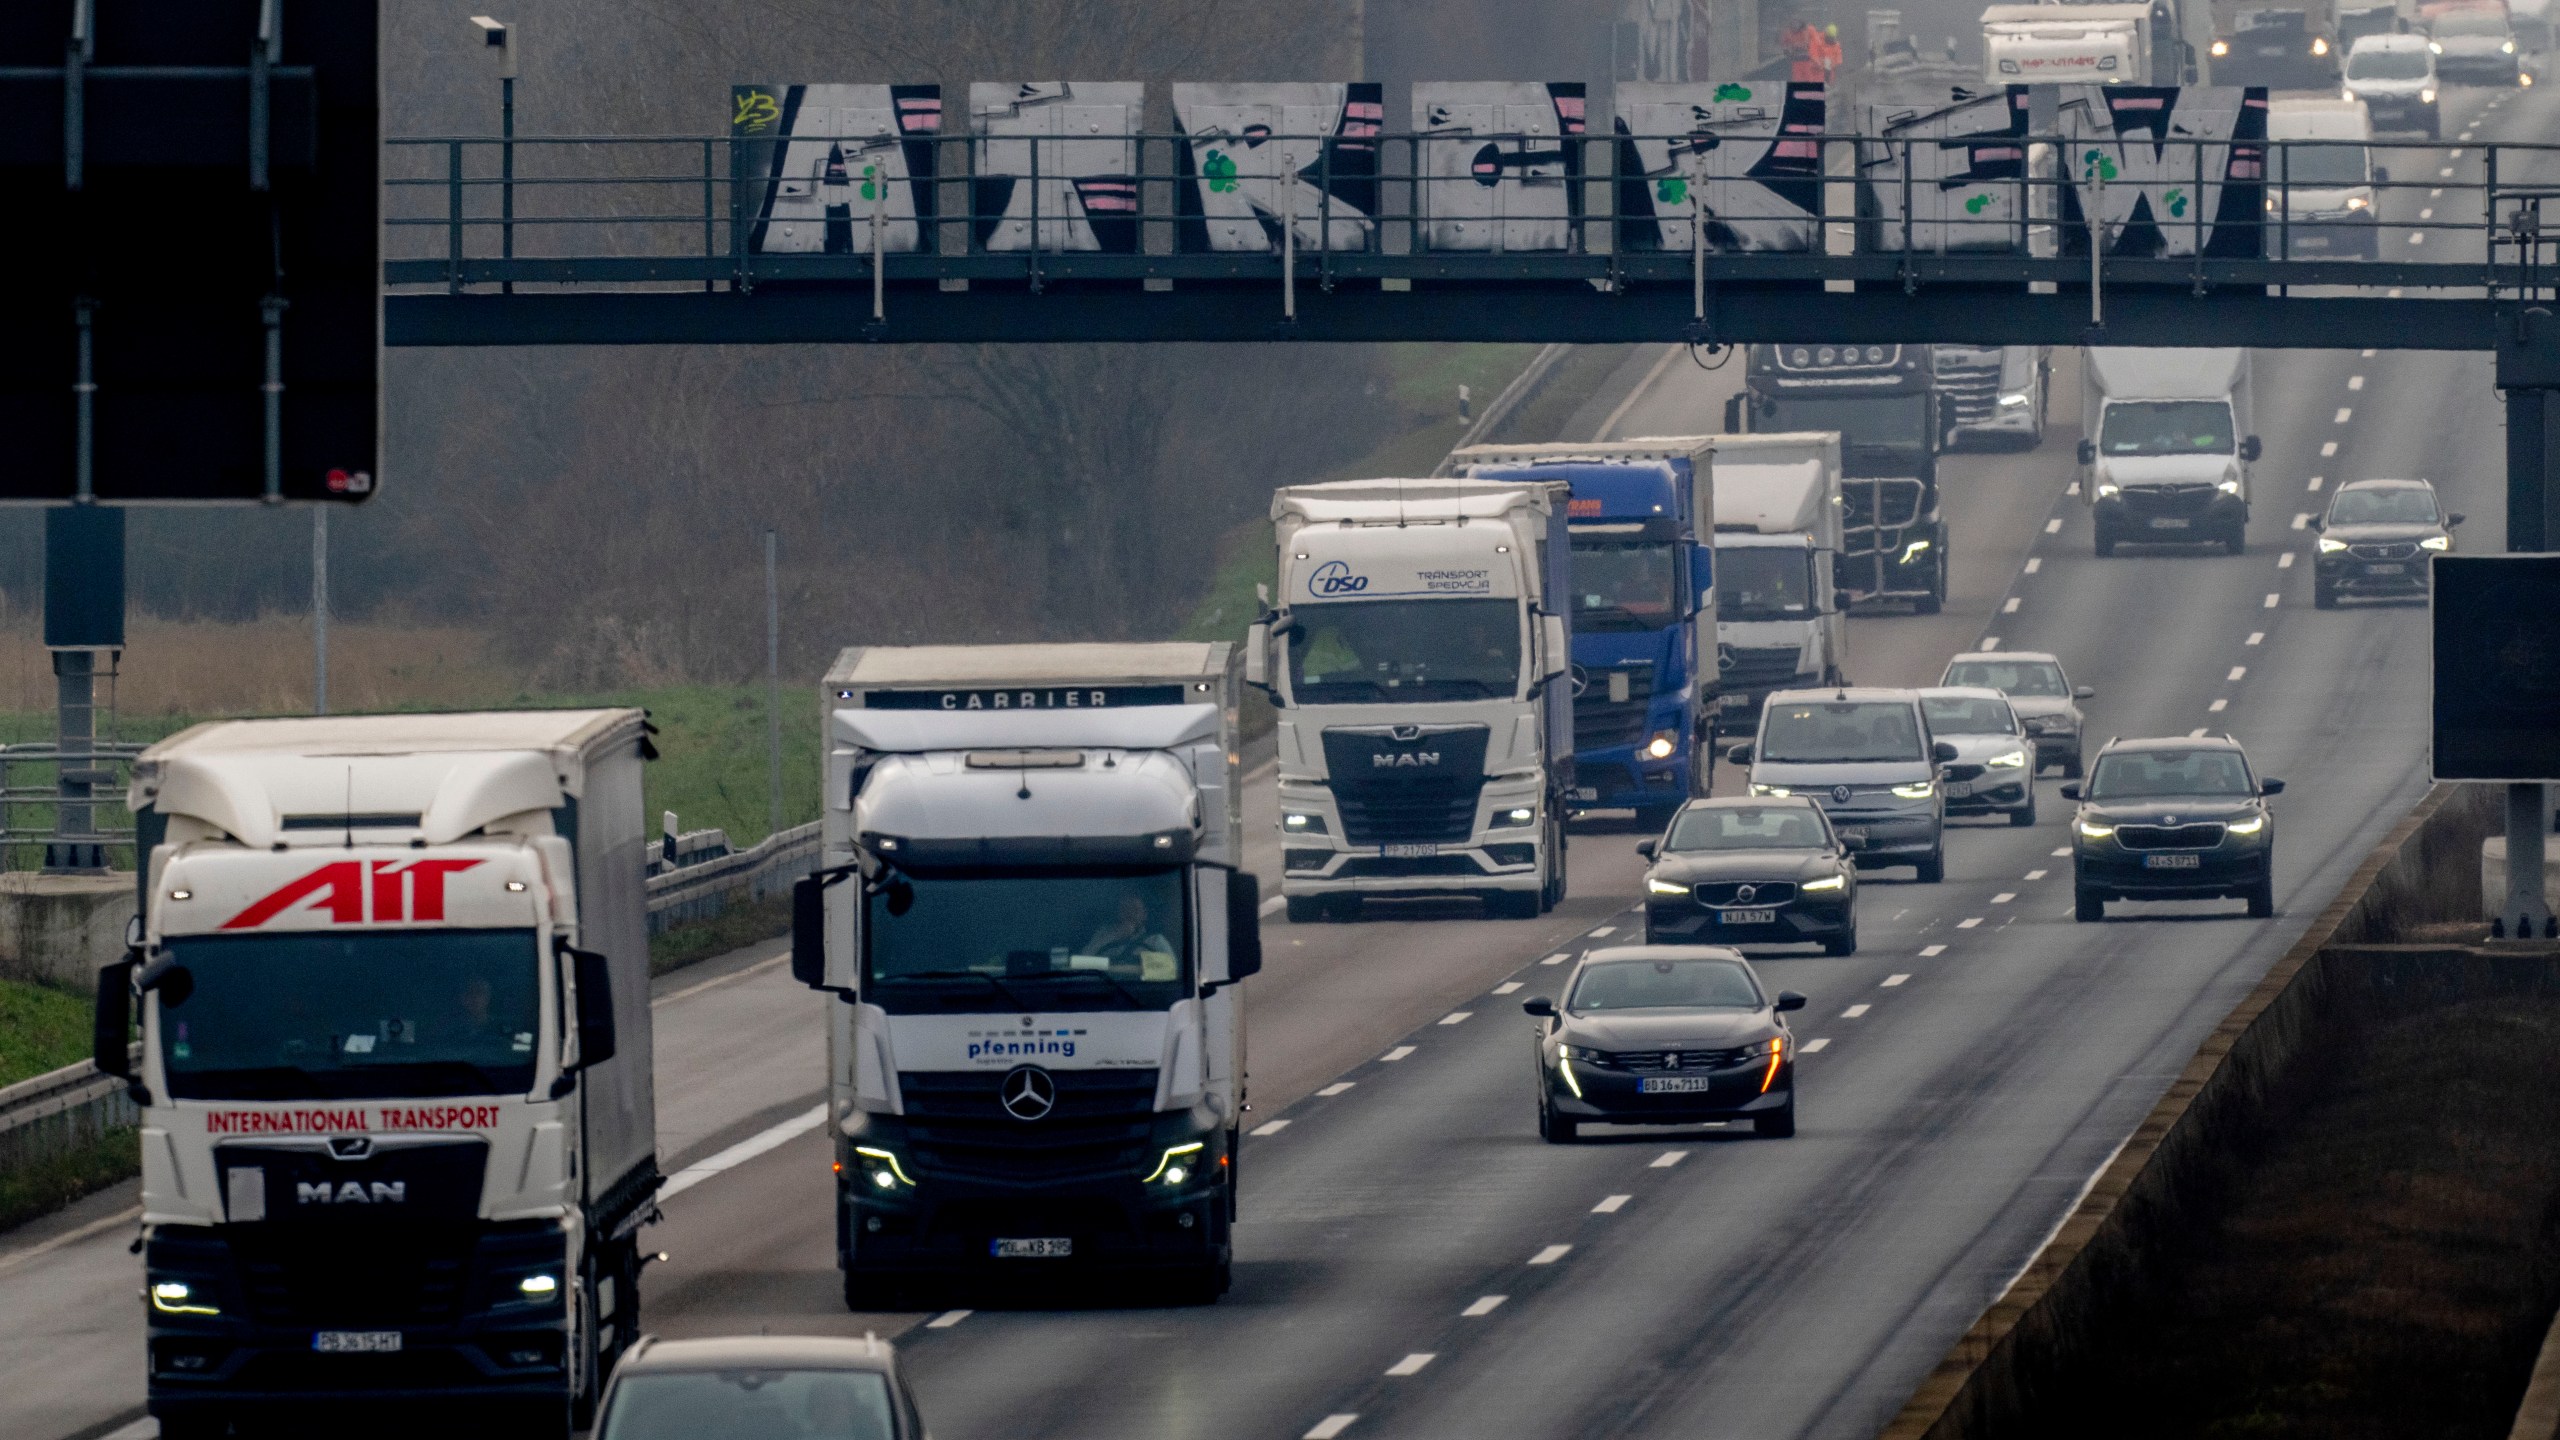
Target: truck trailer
[
  {"x": 1032, "y": 911},
  {"x": 398, "y": 1125}
]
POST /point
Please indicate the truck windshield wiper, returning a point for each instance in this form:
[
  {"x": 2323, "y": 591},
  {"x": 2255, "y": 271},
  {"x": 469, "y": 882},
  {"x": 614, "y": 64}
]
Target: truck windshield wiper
[
  {"x": 991, "y": 982},
  {"x": 1106, "y": 978}
]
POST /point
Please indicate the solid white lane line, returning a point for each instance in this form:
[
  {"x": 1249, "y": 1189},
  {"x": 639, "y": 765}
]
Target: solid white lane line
[
  {"x": 2218, "y": 706},
  {"x": 2034, "y": 875},
  {"x": 1892, "y": 980},
  {"x": 2356, "y": 382},
  {"x": 1336, "y": 1088},
  {"x": 1604, "y": 930},
  {"x": 1813, "y": 1046},
  {"x": 1506, "y": 987},
  {"x": 14, "y": 1258},
  {"x": 2053, "y": 526},
  {"x": 1273, "y": 905},
  {"x": 1397, "y": 1053},
  {"x": 2009, "y": 606},
  {"x": 2341, "y": 417},
  {"x": 947, "y": 1319},
  {"x": 1612, "y": 1205},
  {"x": 2285, "y": 561},
  {"x": 2256, "y": 637},
  {"x": 1551, "y": 1255},
  {"x": 1932, "y": 952},
  {"x": 2302, "y": 520},
  {"x": 2328, "y": 448},
  {"x": 742, "y": 1152},
  {"x": 2237, "y": 672},
  {"x": 1456, "y": 1017},
  {"x": 1667, "y": 1159},
  {"x": 1412, "y": 1364},
  {"x": 2034, "y": 563},
  {"x": 2004, "y": 897},
  {"x": 1555, "y": 960},
  {"x": 1485, "y": 1305},
  {"x": 1270, "y": 1127},
  {"x": 1331, "y": 1426},
  {"x": 1968, "y": 922},
  {"x": 2273, "y": 601},
  {"x": 1643, "y": 388},
  {"x": 1854, "y": 1011},
  {"x": 2315, "y": 481}
]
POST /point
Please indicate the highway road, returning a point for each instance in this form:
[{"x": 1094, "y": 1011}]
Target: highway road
[{"x": 1413, "y": 1261}]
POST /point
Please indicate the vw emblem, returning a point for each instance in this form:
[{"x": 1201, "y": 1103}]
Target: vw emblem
[
  {"x": 1406, "y": 733},
  {"x": 1746, "y": 893},
  {"x": 1027, "y": 1093},
  {"x": 350, "y": 1147},
  {"x": 1841, "y": 793},
  {"x": 2168, "y": 819}
]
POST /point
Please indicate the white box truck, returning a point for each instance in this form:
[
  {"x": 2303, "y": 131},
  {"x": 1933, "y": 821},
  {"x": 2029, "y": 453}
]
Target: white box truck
[
  {"x": 2069, "y": 45},
  {"x": 1419, "y": 658},
  {"x": 1032, "y": 909},
  {"x": 2166, "y": 446},
  {"x": 1781, "y": 623},
  {"x": 398, "y": 1130}
]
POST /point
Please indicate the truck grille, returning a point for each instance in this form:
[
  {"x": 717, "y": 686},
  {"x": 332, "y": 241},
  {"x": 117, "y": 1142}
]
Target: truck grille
[
  {"x": 2149, "y": 500},
  {"x": 2170, "y": 837},
  {"x": 1417, "y": 787},
  {"x": 1729, "y": 892},
  {"x": 354, "y": 1276},
  {"x": 1868, "y": 503},
  {"x": 957, "y": 1126},
  {"x": 1972, "y": 388},
  {"x": 2387, "y": 550},
  {"x": 1600, "y": 722},
  {"x": 1757, "y": 667}
]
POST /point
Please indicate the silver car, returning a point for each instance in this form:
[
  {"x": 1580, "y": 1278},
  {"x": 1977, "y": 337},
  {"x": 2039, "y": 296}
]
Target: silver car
[
  {"x": 2043, "y": 696},
  {"x": 745, "y": 1387},
  {"x": 1994, "y": 772}
]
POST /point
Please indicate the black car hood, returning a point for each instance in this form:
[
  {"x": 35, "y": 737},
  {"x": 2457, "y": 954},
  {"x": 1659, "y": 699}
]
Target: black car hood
[
  {"x": 2187, "y": 809},
  {"x": 2380, "y": 534},
  {"x": 1689, "y": 867},
  {"x": 1667, "y": 1029}
]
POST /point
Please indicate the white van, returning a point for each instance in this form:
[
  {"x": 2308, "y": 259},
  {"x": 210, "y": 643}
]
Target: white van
[
  {"x": 2320, "y": 179},
  {"x": 2395, "y": 77}
]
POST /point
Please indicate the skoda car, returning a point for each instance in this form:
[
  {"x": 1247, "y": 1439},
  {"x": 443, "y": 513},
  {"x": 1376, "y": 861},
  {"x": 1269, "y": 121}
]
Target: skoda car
[
  {"x": 1865, "y": 756},
  {"x": 2174, "y": 819},
  {"x": 1664, "y": 1035},
  {"x": 1741, "y": 871},
  {"x": 2045, "y": 699},
  {"x": 1994, "y": 772},
  {"x": 2375, "y": 540},
  {"x": 758, "y": 1387}
]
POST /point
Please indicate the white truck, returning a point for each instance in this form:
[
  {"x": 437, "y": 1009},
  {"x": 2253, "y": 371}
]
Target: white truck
[
  {"x": 1781, "y": 623},
  {"x": 2166, "y": 446},
  {"x": 1419, "y": 658},
  {"x": 2070, "y": 45},
  {"x": 1992, "y": 397},
  {"x": 1032, "y": 909},
  {"x": 398, "y": 1124}
]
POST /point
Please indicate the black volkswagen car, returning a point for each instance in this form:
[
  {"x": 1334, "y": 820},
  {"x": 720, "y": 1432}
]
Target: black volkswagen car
[
  {"x": 2172, "y": 819},
  {"x": 1664, "y": 1035},
  {"x": 2375, "y": 540},
  {"x": 1760, "y": 871}
]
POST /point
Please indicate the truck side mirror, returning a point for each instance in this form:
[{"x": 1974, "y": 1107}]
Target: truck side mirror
[
  {"x": 1557, "y": 643},
  {"x": 595, "y": 1007},
  {"x": 2381, "y": 176},
  {"x": 2250, "y": 449},
  {"x": 1733, "y": 414},
  {"x": 1244, "y": 926},
  {"x": 1257, "y": 654},
  {"x": 1841, "y": 600},
  {"x": 2088, "y": 452},
  {"x": 111, "y": 1040},
  {"x": 809, "y": 931}
]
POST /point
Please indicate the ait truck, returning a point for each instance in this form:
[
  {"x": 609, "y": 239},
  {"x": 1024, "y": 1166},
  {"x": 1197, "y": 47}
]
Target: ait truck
[
  {"x": 398, "y": 1130},
  {"x": 1883, "y": 403},
  {"x": 2281, "y": 44},
  {"x": 2070, "y": 44},
  {"x": 1780, "y": 625},
  {"x": 2171, "y": 449},
  {"x": 1419, "y": 655},
  {"x": 1032, "y": 911},
  {"x": 1643, "y": 599}
]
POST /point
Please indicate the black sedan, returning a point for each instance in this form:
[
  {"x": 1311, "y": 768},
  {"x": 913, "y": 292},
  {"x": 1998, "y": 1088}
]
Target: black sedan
[
  {"x": 1758, "y": 871},
  {"x": 2175, "y": 819},
  {"x": 1664, "y": 1035},
  {"x": 2375, "y": 541}
]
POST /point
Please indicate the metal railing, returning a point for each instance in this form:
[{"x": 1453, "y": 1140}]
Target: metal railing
[{"x": 31, "y": 803}]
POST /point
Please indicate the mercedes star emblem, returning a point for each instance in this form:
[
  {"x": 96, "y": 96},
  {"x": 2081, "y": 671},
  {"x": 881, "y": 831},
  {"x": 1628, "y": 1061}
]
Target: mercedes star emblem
[
  {"x": 1841, "y": 793},
  {"x": 1027, "y": 1093},
  {"x": 2168, "y": 819}
]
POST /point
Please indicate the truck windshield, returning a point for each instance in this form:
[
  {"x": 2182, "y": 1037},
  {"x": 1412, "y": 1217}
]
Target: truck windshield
[
  {"x": 1839, "y": 732},
  {"x": 2387, "y": 65},
  {"x": 2166, "y": 427},
  {"x": 2304, "y": 164},
  {"x": 1030, "y": 940},
  {"x": 372, "y": 1015},
  {"x": 1624, "y": 585},
  {"x": 1897, "y": 421},
  {"x": 1372, "y": 652},
  {"x": 1758, "y": 584}
]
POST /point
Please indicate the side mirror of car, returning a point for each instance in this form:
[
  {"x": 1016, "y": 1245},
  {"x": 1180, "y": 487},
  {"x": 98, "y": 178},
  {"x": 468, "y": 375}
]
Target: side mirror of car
[
  {"x": 2381, "y": 176},
  {"x": 2270, "y": 787},
  {"x": 2453, "y": 519},
  {"x": 1739, "y": 754},
  {"x": 1944, "y": 752},
  {"x": 1850, "y": 844},
  {"x": 2084, "y": 692},
  {"x": 2250, "y": 449},
  {"x": 2071, "y": 790},
  {"x": 2318, "y": 523},
  {"x": 1646, "y": 848},
  {"x": 1540, "y": 1006},
  {"x": 2088, "y": 452},
  {"x": 1789, "y": 1000}
]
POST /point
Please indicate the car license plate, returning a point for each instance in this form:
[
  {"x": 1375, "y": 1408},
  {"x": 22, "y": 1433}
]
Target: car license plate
[
  {"x": 1408, "y": 852},
  {"x": 356, "y": 1342},
  {"x": 1675, "y": 1084},
  {"x": 1958, "y": 789},
  {"x": 1054, "y": 1247},
  {"x": 2169, "y": 522},
  {"x": 2386, "y": 569},
  {"x": 1586, "y": 792},
  {"x": 1854, "y": 832},
  {"x": 2170, "y": 862},
  {"x": 1747, "y": 917}
]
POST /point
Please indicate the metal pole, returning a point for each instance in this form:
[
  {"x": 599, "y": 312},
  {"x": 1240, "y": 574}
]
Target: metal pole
[
  {"x": 2528, "y": 817},
  {"x": 271, "y": 313},
  {"x": 84, "y": 392},
  {"x": 772, "y": 685},
  {"x": 507, "y": 174},
  {"x": 320, "y": 609},
  {"x": 2097, "y": 246},
  {"x": 879, "y": 276},
  {"x": 1289, "y": 237},
  {"x": 76, "y": 705}
]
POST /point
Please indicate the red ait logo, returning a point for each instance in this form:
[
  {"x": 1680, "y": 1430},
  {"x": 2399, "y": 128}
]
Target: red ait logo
[{"x": 409, "y": 890}]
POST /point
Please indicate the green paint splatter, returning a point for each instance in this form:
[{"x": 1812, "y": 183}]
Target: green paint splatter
[
  {"x": 872, "y": 187},
  {"x": 2177, "y": 203},
  {"x": 2096, "y": 165},
  {"x": 1733, "y": 92},
  {"x": 1976, "y": 204},
  {"x": 1671, "y": 190},
  {"x": 1220, "y": 169}
]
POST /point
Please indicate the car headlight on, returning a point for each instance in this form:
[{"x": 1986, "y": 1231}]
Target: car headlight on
[
  {"x": 2012, "y": 402},
  {"x": 1780, "y": 791},
  {"x": 1663, "y": 745},
  {"x": 1912, "y": 551},
  {"x": 881, "y": 1168},
  {"x": 2107, "y": 488},
  {"x": 1775, "y": 1048},
  {"x": 2357, "y": 202},
  {"x": 2347, "y": 94},
  {"x": 1654, "y": 885},
  {"x": 2229, "y": 487},
  {"x": 2249, "y": 826},
  {"x": 1178, "y": 1164},
  {"x": 1916, "y": 790},
  {"x": 2091, "y": 829},
  {"x": 2221, "y": 47},
  {"x": 2271, "y": 204},
  {"x": 1827, "y": 882},
  {"x": 1514, "y": 817},
  {"x": 2007, "y": 760},
  {"x": 2425, "y": 97},
  {"x": 1583, "y": 1053},
  {"x": 2331, "y": 547},
  {"x": 2436, "y": 542},
  {"x": 177, "y": 1297},
  {"x": 2319, "y": 44},
  {"x": 2508, "y": 48},
  {"x": 1298, "y": 823},
  {"x": 2434, "y": 49}
]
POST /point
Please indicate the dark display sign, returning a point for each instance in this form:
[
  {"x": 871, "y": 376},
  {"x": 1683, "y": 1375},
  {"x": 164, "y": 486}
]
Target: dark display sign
[{"x": 2497, "y": 667}]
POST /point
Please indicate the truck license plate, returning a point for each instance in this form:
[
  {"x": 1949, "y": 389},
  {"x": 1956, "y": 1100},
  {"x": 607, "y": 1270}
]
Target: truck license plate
[
  {"x": 2386, "y": 569},
  {"x": 1746, "y": 917},
  {"x": 356, "y": 1342},
  {"x": 2168, "y": 522},
  {"x": 1055, "y": 1247},
  {"x": 2170, "y": 862},
  {"x": 1408, "y": 852},
  {"x": 1586, "y": 792},
  {"x": 1674, "y": 1084}
]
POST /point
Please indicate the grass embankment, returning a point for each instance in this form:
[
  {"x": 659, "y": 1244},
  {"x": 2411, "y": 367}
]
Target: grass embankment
[
  {"x": 41, "y": 1029},
  {"x": 2385, "y": 1267}
]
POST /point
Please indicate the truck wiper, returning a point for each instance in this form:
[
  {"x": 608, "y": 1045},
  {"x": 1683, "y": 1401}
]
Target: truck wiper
[
  {"x": 1106, "y": 978},
  {"x": 991, "y": 982}
]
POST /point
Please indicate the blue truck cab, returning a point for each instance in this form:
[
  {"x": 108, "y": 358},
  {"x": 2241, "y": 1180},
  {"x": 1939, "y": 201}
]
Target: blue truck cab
[{"x": 1642, "y": 594}]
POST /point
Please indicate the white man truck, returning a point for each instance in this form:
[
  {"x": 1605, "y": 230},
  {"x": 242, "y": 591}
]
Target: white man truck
[
  {"x": 1032, "y": 912},
  {"x": 398, "y": 1125},
  {"x": 2166, "y": 448},
  {"x": 1781, "y": 622},
  {"x": 1419, "y": 657}
]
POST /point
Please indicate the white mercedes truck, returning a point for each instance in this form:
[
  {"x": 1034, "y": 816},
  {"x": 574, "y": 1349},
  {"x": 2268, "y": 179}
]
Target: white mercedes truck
[
  {"x": 1781, "y": 622},
  {"x": 1419, "y": 657},
  {"x": 1032, "y": 912},
  {"x": 398, "y": 1125}
]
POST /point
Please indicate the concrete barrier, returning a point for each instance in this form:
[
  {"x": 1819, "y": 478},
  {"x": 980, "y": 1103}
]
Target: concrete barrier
[
  {"x": 58, "y": 929},
  {"x": 2164, "y": 1186}
]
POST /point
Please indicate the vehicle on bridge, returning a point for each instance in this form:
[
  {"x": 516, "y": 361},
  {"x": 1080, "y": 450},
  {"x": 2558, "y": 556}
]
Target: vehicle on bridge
[
  {"x": 2323, "y": 193},
  {"x": 1867, "y": 758},
  {"x": 1993, "y": 397},
  {"x": 2044, "y": 698},
  {"x": 2474, "y": 43},
  {"x": 1419, "y": 655},
  {"x": 1781, "y": 617},
  {"x": 1883, "y": 402},
  {"x": 1644, "y": 602},
  {"x": 2172, "y": 819},
  {"x": 1664, "y": 1035},
  {"x": 2376, "y": 539},
  {"x": 2166, "y": 446},
  {"x": 2395, "y": 76},
  {"x": 393, "y": 975},
  {"x": 2281, "y": 44},
  {"x": 1032, "y": 908},
  {"x": 1743, "y": 870},
  {"x": 1994, "y": 772},
  {"x": 759, "y": 1387}
]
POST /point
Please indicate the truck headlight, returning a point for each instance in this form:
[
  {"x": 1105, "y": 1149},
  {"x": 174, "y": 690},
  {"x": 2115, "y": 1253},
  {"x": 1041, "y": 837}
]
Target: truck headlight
[
  {"x": 2250, "y": 826},
  {"x": 2425, "y": 97},
  {"x": 2092, "y": 830},
  {"x": 177, "y": 1297},
  {"x": 1653, "y": 886},
  {"x": 2357, "y": 202},
  {"x": 1780, "y": 791},
  {"x": 2319, "y": 44},
  {"x": 2331, "y": 547},
  {"x": 1663, "y": 744},
  {"x": 1177, "y": 1165},
  {"x": 2012, "y": 402},
  {"x": 2434, "y": 49},
  {"x": 1827, "y": 882},
  {"x": 2508, "y": 48},
  {"x": 1514, "y": 818},
  {"x": 1918, "y": 790},
  {"x": 2436, "y": 542},
  {"x": 881, "y": 1168},
  {"x": 1297, "y": 823},
  {"x": 1912, "y": 551},
  {"x": 2221, "y": 47},
  {"x": 538, "y": 1287},
  {"x": 2007, "y": 760}
]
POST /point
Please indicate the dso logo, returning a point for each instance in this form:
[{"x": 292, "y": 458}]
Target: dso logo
[{"x": 1335, "y": 578}]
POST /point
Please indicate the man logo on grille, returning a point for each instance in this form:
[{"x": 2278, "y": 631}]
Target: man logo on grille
[{"x": 1027, "y": 1093}]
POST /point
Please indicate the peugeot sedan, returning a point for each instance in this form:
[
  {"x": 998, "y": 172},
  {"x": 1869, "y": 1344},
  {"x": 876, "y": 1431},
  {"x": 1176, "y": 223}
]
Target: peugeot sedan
[
  {"x": 1995, "y": 766},
  {"x": 1738, "y": 871},
  {"x": 2375, "y": 539},
  {"x": 2042, "y": 695},
  {"x": 2173, "y": 819},
  {"x": 1664, "y": 1035},
  {"x": 758, "y": 1387}
]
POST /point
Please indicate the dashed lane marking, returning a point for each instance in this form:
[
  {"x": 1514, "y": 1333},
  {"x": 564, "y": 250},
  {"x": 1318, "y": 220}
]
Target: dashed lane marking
[
  {"x": 1397, "y": 1053},
  {"x": 1667, "y": 1159},
  {"x": 1990, "y": 642},
  {"x": 2316, "y": 481},
  {"x": 1270, "y": 1127},
  {"x": 2196, "y": 734},
  {"x": 1555, "y": 960},
  {"x": 1892, "y": 980},
  {"x": 2302, "y": 520},
  {"x": 1336, "y": 1088},
  {"x": 2273, "y": 601},
  {"x": 1604, "y": 930},
  {"x": 2034, "y": 564},
  {"x": 2053, "y": 526},
  {"x": 2366, "y": 354},
  {"x": 2356, "y": 382},
  {"x": 2035, "y": 875},
  {"x": 2256, "y": 637},
  {"x": 1506, "y": 987},
  {"x": 1611, "y": 1205},
  {"x": 1551, "y": 1255},
  {"x": 2328, "y": 448},
  {"x": 2009, "y": 606},
  {"x": 2071, "y": 489},
  {"x": 1412, "y": 1364},
  {"x": 2285, "y": 561},
  {"x": 2004, "y": 897},
  {"x": 1456, "y": 1017},
  {"x": 2238, "y": 672},
  {"x": 1968, "y": 922},
  {"x": 1273, "y": 905},
  {"x": 1932, "y": 952},
  {"x": 1330, "y": 1426},
  {"x": 2063, "y": 853},
  {"x": 1814, "y": 1046},
  {"x": 2417, "y": 237},
  {"x": 2341, "y": 417},
  {"x": 947, "y": 1319},
  {"x": 2427, "y": 212},
  {"x": 1485, "y": 1305},
  {"x": 2218, "y": 706}
]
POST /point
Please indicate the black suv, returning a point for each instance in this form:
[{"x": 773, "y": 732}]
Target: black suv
[
  {"x": 2376, "y": 539},
  {"x": 2173, "y": 819}
]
